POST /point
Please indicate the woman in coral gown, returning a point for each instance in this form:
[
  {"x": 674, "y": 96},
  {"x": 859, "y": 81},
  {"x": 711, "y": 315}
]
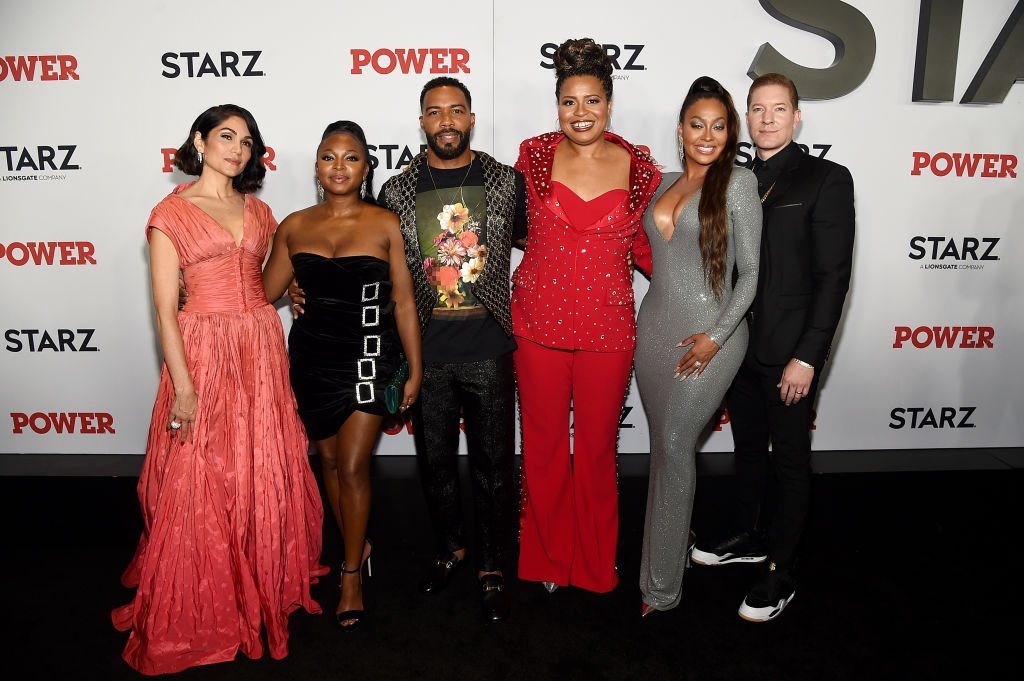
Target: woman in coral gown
[{"x": 231, "y": 509}]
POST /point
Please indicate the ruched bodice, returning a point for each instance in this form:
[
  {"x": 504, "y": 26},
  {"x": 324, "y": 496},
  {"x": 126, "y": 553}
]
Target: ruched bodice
[
  {"x": 220, "y": 275},
  {"x": 228, "y": 282},
  {"x": 344, "y": 348}
]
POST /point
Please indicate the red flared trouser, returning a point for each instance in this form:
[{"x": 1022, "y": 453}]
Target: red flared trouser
[{"x": 570, "y": 515}]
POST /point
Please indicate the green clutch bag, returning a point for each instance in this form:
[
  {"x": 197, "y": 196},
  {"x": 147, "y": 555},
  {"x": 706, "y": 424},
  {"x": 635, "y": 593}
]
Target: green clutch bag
[{"x": 395, "y": 387}]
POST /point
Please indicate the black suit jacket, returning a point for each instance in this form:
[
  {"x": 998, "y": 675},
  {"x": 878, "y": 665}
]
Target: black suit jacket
[{"x": 806, "y": 258}]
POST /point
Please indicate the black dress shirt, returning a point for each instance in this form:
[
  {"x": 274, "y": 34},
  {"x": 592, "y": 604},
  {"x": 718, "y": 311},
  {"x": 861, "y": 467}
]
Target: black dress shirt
[{"x": 767, "y": 172}]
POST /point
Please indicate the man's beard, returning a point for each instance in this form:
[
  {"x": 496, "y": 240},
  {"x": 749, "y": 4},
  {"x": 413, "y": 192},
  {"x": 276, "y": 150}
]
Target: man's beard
[{"x": 448, "y": 152}]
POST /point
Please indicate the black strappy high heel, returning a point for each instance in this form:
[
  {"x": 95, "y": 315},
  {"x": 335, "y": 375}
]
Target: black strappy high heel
[{"x": 354, "y": 618}]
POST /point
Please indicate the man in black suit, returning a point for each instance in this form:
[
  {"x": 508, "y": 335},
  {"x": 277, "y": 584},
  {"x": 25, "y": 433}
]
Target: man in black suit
[{"x": 806, "y": 257}]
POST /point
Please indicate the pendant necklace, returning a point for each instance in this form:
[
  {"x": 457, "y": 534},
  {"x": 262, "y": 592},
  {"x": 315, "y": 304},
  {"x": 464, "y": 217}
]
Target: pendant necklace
[{"x": 458, "y": 189}]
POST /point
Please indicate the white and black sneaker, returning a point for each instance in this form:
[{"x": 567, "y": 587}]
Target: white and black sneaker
[
  {"x": 746, "y": 547},
  {"x": 769, "y": 596}
]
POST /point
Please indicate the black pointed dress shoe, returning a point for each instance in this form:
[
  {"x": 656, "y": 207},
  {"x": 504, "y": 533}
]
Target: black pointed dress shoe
[
  {"x": 493, "y": 597},
  {"x": 440, "y": 573}
]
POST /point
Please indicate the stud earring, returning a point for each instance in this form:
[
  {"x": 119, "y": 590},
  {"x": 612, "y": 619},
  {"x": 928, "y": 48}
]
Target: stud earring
[{"x": 319, "y": 189}]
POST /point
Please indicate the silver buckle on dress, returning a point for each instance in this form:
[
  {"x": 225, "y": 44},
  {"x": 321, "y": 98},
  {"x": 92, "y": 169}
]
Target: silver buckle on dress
[
  {"x": 371, "y": 312},
  {"x": 370, "y": 373},
  {"x": 371, "y": 346},
  {"x": 371, "y": 291},
  {"x": 364, "y": 392}
]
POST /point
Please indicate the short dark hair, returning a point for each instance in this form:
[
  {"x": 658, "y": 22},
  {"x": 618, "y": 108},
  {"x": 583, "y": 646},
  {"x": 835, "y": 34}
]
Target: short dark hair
[
  {"x": 186, "y": 158},
  {"x": 356, "y": 131},
  {"x": 582, "y": 57},
  {"x": 775, "y": 79},
  {"x": 445, "y": 81}
]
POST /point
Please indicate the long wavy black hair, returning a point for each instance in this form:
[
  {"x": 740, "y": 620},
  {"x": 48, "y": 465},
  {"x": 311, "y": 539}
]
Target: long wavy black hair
[{"x": 713, "y": 209}]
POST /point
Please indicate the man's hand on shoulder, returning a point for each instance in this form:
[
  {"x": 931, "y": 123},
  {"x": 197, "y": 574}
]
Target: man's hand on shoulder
[{"x": 298, "y": 297}]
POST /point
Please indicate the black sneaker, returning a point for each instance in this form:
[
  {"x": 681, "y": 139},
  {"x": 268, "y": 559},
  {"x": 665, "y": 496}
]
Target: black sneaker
[
  {"x": 769, "y": 596},
  {"x": 746, "y": 547}
]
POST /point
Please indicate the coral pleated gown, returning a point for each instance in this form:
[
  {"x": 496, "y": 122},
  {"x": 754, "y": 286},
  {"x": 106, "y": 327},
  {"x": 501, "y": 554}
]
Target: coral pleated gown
[{"x": 233, "y": 519}]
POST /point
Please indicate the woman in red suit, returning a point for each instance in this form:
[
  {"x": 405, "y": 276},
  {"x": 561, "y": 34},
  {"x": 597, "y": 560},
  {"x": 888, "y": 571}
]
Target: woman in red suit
[{"x": 572, "y": 315}]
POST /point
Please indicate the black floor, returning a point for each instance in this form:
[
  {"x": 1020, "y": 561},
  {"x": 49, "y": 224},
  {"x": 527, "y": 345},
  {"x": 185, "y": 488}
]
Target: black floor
[{"x": 905, "y": 576}]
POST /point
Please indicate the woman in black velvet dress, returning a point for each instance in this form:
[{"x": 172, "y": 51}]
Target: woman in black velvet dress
[{"x": 348, "y": 257}]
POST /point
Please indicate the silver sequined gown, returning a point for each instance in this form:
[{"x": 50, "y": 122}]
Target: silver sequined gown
[{"x": 678, "y": 305}]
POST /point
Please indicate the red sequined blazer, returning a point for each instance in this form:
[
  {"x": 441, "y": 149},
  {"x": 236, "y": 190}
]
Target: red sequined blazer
[{"x": 573, "y": 289}]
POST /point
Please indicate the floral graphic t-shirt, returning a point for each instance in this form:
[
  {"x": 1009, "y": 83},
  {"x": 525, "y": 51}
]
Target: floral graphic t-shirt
[
  {"x": 452, "y": 226},
  {"x": 451, "y": 221}
]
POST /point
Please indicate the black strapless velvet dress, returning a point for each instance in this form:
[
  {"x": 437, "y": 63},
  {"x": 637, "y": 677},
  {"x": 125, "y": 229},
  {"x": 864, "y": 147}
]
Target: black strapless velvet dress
[{"x": 345, "y": 348}]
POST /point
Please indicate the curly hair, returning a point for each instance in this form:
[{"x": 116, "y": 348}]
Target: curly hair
[
  {"x": 186, "y": 158},
  {"x": 582, "y": 57},
  {"x": 713, "y": 210}
]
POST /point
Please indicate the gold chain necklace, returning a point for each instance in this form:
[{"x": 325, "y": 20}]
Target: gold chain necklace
[{"x": 458, "y": 189}]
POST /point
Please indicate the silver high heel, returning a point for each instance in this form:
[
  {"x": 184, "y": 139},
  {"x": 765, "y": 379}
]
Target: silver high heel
[{"x": 551, "y": 587}]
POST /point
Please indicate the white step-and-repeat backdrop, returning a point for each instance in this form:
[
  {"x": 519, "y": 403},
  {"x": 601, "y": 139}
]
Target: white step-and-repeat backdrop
[{"x": 915, "y": 97}]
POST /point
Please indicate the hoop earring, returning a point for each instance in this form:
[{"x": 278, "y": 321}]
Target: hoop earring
[
  {"x": 362, "y": 189},
  {"x": 319, "y": 189},
  {"x": 200, "y": 155}
]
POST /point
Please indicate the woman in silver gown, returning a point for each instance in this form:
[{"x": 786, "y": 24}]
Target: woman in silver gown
[{"x": 691, "y": 337}]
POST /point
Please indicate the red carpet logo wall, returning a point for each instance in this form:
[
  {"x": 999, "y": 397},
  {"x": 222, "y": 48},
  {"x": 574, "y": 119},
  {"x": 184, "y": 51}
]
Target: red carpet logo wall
[
  {"x": 39, "y": 67},
  {"x": 219, "y": 65},
  {"x": 965, "y": 164},
  {"x": 48, "y": 253},
  {"x": 932, "y": 326},
  {"x": 170, "y": 152},
  {"x": 954, "y": 253},
  {"x": 434, "y": 61}
]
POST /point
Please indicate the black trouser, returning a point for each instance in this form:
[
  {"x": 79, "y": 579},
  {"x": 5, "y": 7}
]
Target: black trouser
[
  {"x": 483, "y": 394},
  {"x": 758, "y": 416}
]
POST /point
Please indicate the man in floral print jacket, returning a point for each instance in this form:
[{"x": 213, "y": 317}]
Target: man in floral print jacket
[{"x": 460, "y": 212}]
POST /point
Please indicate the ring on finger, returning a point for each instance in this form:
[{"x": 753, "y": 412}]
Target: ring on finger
[
  {"x": 696, "y": 363},
  {"x": 175, "y": 425}
]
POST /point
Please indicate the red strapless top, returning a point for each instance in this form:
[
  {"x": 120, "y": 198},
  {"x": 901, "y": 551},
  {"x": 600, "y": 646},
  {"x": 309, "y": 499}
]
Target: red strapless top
[{"x": 583, "y": 214}]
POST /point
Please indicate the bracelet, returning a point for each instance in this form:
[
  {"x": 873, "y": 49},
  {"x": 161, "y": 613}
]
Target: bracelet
[{"x": 803, "y": 363}]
